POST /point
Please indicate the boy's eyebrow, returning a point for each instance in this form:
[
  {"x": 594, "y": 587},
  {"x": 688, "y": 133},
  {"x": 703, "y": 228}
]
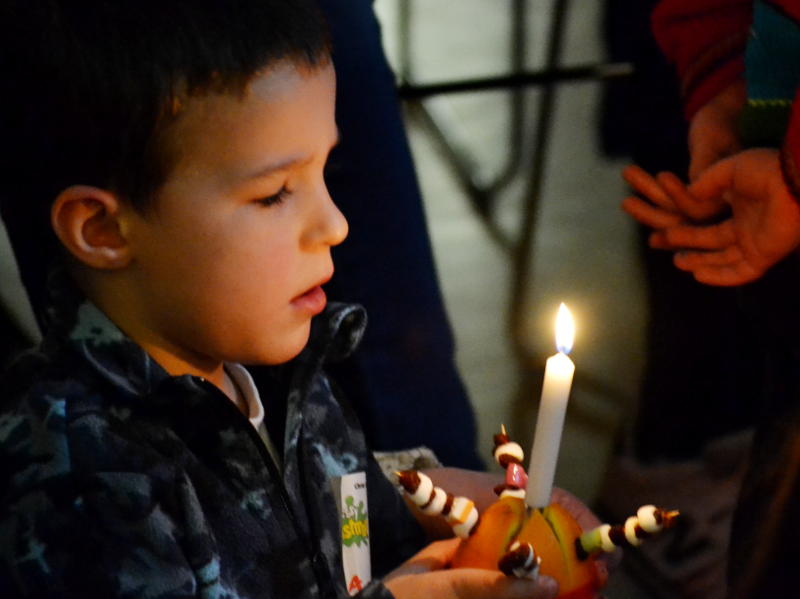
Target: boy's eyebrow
[{"x": 284, "y": 164}]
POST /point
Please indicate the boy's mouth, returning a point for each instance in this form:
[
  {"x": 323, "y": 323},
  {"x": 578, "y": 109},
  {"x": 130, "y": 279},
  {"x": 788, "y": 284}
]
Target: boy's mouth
[{"x": 313, "y": 300}]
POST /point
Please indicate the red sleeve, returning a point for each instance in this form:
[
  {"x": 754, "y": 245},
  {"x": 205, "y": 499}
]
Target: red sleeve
[
  {"x": 705, "y": 39},
  {"x": 790, "y": 152}
]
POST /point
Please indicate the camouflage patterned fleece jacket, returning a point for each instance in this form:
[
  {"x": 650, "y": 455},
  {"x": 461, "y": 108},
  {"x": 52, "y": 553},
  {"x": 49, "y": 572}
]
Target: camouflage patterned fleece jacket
[{"x": 119, "y": 480}]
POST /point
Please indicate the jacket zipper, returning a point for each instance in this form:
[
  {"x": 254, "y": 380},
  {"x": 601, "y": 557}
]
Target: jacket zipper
[{"x": 255, "y": 439}]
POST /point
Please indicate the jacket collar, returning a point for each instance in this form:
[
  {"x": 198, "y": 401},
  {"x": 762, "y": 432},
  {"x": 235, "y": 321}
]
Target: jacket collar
[{"x": 115, "y": 357}]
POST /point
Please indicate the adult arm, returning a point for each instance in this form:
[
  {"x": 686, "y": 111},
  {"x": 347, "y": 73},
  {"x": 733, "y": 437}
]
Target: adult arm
[{"x": 705, "y": 40}]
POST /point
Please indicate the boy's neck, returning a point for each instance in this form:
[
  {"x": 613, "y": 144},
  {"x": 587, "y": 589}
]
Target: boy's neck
[
  {"x": 125, "y": 315},
  {"x": 177, "y": 365},
  {"x": 217, "y": 376}
]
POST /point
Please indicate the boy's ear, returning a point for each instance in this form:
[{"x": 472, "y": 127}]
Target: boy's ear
[{"x": 87, "y": 221}]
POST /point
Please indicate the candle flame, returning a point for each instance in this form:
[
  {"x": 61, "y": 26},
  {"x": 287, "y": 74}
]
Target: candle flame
[{"x": 565, "y": 329}]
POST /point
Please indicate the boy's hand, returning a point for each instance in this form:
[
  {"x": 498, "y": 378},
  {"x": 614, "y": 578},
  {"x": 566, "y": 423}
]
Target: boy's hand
[
  {"x": 426, "y": 575},
  {"x": 712, "y": 130}
]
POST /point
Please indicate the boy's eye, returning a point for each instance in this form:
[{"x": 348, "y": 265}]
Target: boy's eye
[{"x": 275, "y": 198}]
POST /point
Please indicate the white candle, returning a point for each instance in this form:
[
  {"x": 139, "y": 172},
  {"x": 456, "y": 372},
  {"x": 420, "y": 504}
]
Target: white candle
[{"x": 552, "y": 408}]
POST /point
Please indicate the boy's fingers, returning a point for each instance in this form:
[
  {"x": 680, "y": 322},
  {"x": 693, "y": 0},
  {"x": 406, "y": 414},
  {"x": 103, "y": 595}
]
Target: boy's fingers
[
  {"x": 695, "y": 260},
  {"x": 440, "y": 550},
  {"x": 685, "y": 201},
  {"x": 645, "y": 184},
  {"x": 649, "y": 215},
  {"x": 713, "y": 237},
  {"x": 435, "y": 556},
  {"x": 470, "y": 583}
]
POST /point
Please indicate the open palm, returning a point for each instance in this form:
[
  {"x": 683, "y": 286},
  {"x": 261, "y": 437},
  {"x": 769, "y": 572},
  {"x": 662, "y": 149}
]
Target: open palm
[{"x": 763, "y": 226}]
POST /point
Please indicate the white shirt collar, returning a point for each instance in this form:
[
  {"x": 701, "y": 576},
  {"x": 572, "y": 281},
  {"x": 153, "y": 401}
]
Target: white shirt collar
[{"x": 243, "y": 380}]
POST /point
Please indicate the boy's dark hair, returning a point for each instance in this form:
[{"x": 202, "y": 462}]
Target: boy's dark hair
[{"x": 89, "y": 88}]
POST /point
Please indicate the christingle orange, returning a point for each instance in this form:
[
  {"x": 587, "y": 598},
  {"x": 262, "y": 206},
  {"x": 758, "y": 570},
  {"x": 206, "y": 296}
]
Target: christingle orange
[{"x": 525, "y": 542}]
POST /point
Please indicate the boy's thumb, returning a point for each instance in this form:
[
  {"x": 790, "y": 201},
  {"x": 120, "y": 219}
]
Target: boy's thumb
[
  {"x": 471, "y": 583},
  {"x": 543, "y": 588}
]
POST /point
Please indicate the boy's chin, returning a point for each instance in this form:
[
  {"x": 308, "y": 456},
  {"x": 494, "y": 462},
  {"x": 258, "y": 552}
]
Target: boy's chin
[{"x": 274, "y": 356}]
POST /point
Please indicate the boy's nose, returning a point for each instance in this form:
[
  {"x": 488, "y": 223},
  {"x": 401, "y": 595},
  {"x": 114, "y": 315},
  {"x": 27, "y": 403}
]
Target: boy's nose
[{"x": 329, "y": 226}]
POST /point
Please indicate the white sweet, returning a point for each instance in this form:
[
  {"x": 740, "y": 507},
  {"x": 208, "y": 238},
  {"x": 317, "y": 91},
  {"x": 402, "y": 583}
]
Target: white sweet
[
  {"x": 513, "y": 493},
  {"x": 647, "y": 519},
  {"x": 606, "y": 544},
  {"x": 630, "y": 531},
  {"x": 461, "y": 509},
  {"x": 530, "y": 569},
  {"x": 437, "y": 503},
  {"x": 510, "y": 448},
  {"x": 462, "y": 529},
  {"x": 423, "y": 492}
]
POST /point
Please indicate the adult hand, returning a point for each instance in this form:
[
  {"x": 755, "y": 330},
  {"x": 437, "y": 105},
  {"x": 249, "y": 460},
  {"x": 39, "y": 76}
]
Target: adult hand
[
  {"x": 658, "y": 210},
  {"x": 712, "y": 130},
  {"x": 763, "y": 226},
  {"x": 427, "y": 575},
  {"x": 668, "y": 203}
]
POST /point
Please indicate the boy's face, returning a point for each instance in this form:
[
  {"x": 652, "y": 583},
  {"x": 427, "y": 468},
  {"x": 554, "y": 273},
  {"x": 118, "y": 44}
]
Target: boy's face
[{"x": 230, "y": 261}]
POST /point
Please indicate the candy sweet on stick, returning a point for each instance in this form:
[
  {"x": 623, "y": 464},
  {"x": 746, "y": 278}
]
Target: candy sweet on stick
[
  {"x": 648, "y": 521},
  {"x": 509, "y": 455},
  {"x": 520, "y": 561},
  {"x": 461, "y": 513},
  {"x": 506, "y": 451}
]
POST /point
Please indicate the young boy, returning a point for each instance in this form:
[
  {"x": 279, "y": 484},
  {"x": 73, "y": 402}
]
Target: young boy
[{"x": 176, "y": 150}]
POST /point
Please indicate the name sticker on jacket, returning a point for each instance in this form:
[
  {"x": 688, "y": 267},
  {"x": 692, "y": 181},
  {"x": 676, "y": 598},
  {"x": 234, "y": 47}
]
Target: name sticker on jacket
[{"x": 355, "y": 531}]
